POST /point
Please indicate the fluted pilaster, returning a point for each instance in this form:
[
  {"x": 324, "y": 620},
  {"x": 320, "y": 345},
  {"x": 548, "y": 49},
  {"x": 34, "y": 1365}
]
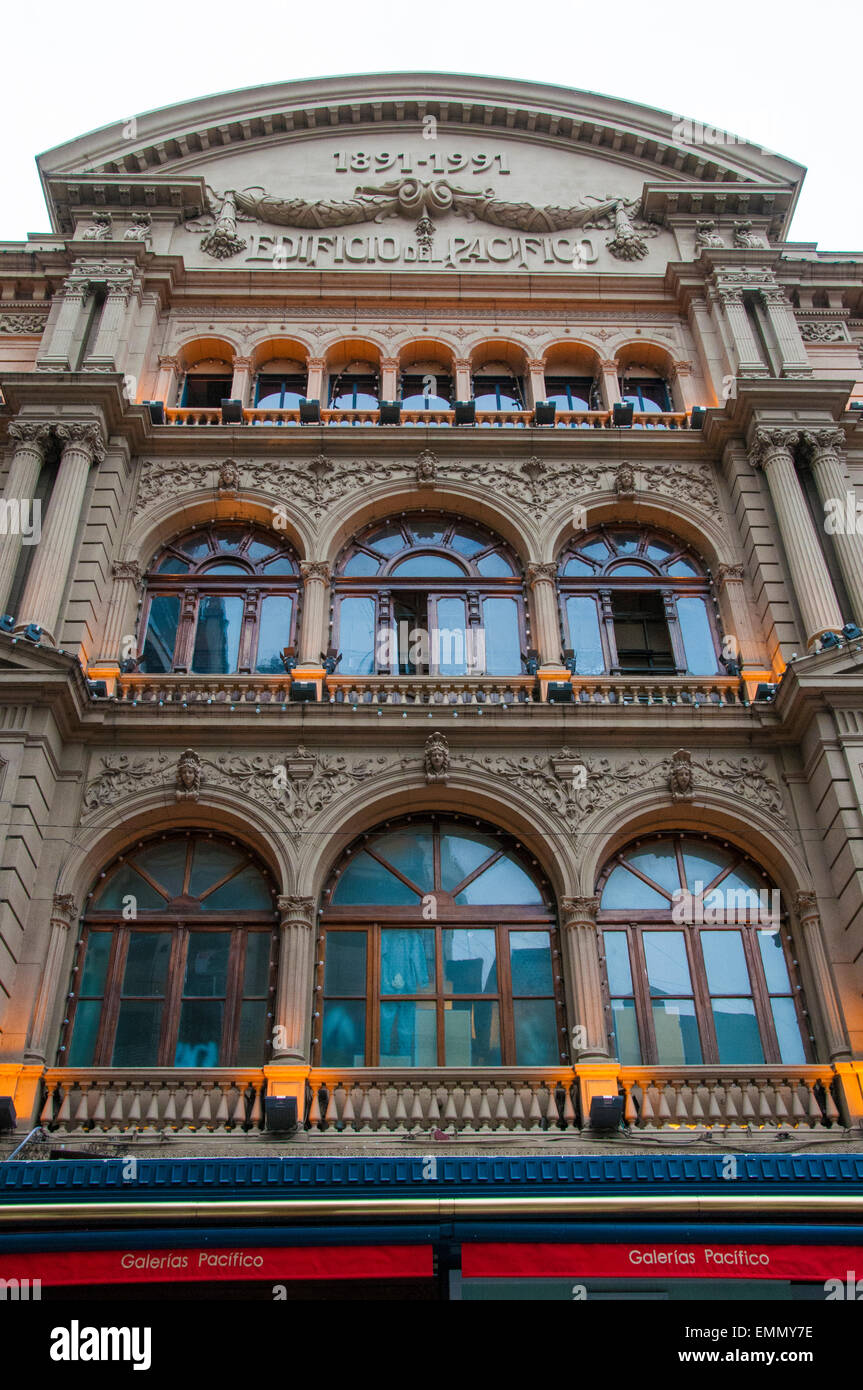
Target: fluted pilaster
[
  {"x": 581, "y": 952},
  {"x": 30, "y": 444},
  {"x": 822, "y": 449},
  {"x": 295, "y": 992}
]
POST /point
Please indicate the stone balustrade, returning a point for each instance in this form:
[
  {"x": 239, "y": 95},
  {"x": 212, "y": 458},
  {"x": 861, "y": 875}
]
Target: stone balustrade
[
  {"x": 729, "y": 1098},
  {"x": 485, "y": 419},
  {"x": 119, "y": 1100}
]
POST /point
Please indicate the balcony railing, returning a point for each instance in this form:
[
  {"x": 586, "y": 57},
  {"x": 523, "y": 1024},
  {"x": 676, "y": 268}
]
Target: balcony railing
[
  {"x": 365, "y": 1101},
  {"x": 485, "y": 419},
  {"x": 684, "y": 692}
]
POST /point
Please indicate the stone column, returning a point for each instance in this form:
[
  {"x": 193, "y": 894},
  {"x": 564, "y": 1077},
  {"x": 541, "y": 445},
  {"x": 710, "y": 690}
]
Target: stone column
[
  {"x": 295, "y": 991},
  {"x": 31, "y": 442},
  {"x": 819, "y": 609},
  {"x": 535, "y": 381},
  {"x": 54, "y": 355},
  {"x": 581, "y": 953},
  {"x": 829, "y": 1007},
  {"x": 743, "y": 338},
  {"x": 241, "y": 384},
  {"x": 389, "y": 378},
  {"x": 737, "y": 617},
  {"x": 793, "y": 358},
  {"x": 463, "y": 388},
  {"x": 832, "y": 482},
  {"x": 165, "y": 389},
  {"x": 313, "y": 633},
  {"x": 106, "y": 349},
  {"x": 546, "y": 623},
  {"x": 609, "y": 383},
  {"x": 46, "y": 582},
  {"x": 64, "y": 913},
  {"x": 315, "y": 380},
  {"x": 681, "y": 386},
  {"x": 121, "y": 608}
]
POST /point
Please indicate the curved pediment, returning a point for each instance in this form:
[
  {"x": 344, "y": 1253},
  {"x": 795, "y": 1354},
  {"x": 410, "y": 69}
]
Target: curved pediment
[{"x": 403, "y": 169}]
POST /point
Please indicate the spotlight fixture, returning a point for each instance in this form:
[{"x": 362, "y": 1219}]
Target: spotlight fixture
[
  {"x": 829, "y": 641},
  {"x": 7, "y": 623},
  {"x": 465, "y": 412},
  {"x": 232, "y": 412},
  {"x": 606, "y": 1112},
  {"x": 157, "y": 412},
  {"x": 390, "y": 412},
  {"x": 560, "y": 693},
  {"x": 765, "y": 692},
  {"x": 280, "y": 1114},
  {"x": 696, "y": 417},
  {"x": 310, "y": 412},
  {"x": 544, "y": 413},
  {"x": 33, "y": 633},
  {"x": 850, "y": 631},
  {"x": 621, "y": 415},
  {"x": 8, "y": 1118},
  {"x": 304, "y": 692},
  {"x": 98, "y": 689}
]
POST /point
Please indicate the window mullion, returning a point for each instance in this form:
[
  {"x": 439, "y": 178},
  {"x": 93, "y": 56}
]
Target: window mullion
[
  {"x": 760, "y": 994},
  {"x": 641, "y": 991},
  {"x": 173, "y": 996},
  {"x": 104, "y": 1048},
  {"x": 701, "y": 994}
]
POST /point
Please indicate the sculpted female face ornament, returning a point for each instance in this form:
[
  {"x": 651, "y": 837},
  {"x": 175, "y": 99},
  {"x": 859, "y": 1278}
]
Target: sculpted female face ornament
[
  {"x": 188, "y": 776},
  {"x": 436, "y": 758}
]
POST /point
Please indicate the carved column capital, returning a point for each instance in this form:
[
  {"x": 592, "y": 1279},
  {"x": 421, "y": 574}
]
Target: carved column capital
[
  {"x": 295, "y": 911},
  {"x": 86, "y": 436},
  {"x": 127, "y": 569},
  {"x": 244, "y": 363},
  {"x": 169, "y": 362},
  {"x": 462, "y": 364},
  {"x": 31, "y": 434},
  {"x": 726, "y": 574},
  {"x": 806, "y": 905},
  {"x": 824, "y": 441},
  {"x": 579, "y": 912},
  {"x": 541, "y": 573},
  {"x": 682, "y": 368},
  {"x": 64, "y": 909},
  {"x": 317, "y": 570},
  {"x": 535, "y": 364},
  {"x": 389, "y": 364},
  {"x": 316, "y": 363},
  {"x": 608, "y": 364},
  {"x": 767, "y": 443}
]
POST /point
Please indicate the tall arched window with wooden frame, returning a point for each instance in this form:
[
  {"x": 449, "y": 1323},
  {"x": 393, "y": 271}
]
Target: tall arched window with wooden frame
[{"x": 636, "y": 600}]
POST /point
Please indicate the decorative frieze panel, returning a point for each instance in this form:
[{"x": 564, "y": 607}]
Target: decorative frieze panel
[{"x": 30, "y": 324}]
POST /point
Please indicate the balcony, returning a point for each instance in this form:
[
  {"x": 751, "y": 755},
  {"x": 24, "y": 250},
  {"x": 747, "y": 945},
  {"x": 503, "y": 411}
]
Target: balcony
[
  {"x": 485, "y": 419},
  {"x": 506, "y": 1101}
]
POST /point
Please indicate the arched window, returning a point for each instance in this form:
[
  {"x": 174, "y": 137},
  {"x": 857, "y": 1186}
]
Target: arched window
[
  {"x": 695, "y": 955},
  {"x": 429, "y": 594},
  {"x": 439, "y": 950},
  {"x": 175, "y": 964},
  {"x": 636, "y": 601},
  {"x": 223, "y": 598}
]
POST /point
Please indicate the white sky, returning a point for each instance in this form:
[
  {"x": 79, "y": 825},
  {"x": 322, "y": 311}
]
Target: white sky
[{"x": 777, "y": 72}]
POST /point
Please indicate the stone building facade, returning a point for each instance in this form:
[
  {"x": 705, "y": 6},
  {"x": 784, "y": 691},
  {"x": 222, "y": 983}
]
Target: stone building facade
[{"x": 431, "y": 533}]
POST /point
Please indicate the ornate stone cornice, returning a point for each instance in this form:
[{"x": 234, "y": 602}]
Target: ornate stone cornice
[{"x": 769, "y": 442}]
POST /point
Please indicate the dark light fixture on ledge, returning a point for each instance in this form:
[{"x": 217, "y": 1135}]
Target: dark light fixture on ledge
[
  {"x": 696, "y": 417},
  {"x": 280, "y": 1114},
  {"x": 390, "y": 412},
  {"x": 303, "y": 692},
  {"x": 544, "y": 412},
  {"x": 606, "y": 1112},
  {"x": 560, "y": 693},
  {"x": 465, "y": 412},
  {"x": 157, "y": 412},
  {"x": 310, "y": 412},
  {"x": 621, "y": 415},
  {"x": 232, "y": 412}
]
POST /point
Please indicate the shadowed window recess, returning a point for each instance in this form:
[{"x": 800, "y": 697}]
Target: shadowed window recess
[
  {"x": 223, "y": 598},
  {"x": 440, "y": 950},
  {"x": 175, "y": 966},
  {"x": 428, "y": 594},
  {"x": 697, "y": 957},
  {"x": 637, "y": 601}
]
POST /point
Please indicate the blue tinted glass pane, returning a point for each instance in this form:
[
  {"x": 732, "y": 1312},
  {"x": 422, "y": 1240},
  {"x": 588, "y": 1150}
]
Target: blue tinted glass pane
[
  {"x": 361, "y": 563},
  {"x": 584, "y": 638},
  {"x": 682, "y": 569},
  {"x": 659, "y": 551},
  {"x": 462, "y": 851},
  {"x": 195, "y": 546},
  {"x": 258, "y": 550},
  {"x": 210, "y": 863},
  {"x": 357, "y": 636},
  {"x": 505, "y": 883},
  {"x": 773, "y": 960},
  {"x": 631, "y": 567},
  {"x": 345, "y": 970},
  {"x": 570, "y": 402},
  {"x": 425, "y": 403},
  {"x": 498, "y": 401},
  {"x": 227, "y": 567},
  {"x": 217, "y": 637},
  {"x": 274, "y": 633},
  {"x": 161, "y": 635},
  {"x": 737, "y": 1035},
  {"x": 124, "y": 883},
  {"x": 355, "y": 400},
  {"x": 658, "y": 861},
  {"x": 469, "y": 961},
  {"x": 471, "y": 1033},
  {"x": 281, "y": 566},
  {"x": 502, "y": 640},
  {"x": 389, "y": 541},
  {"x": 449, "y": 648},
  {"x": 667, "y": 966},
  {"x": 431, "y": 532},
  {"x": 536, "y": 1042},
  {"x": 407, "y": 960},
  {"x": 597, "y": 550},
  {"x": 625, "y": 1026},
  {"x": 207, "y": 963},
  {"x": 725, "y": 963},
  {"x": 578, "y": 567},
  {"x": 697, "y": 636},
  {"x": 139, "y": 1023},
  {"x": 467, "y": 542},
  {"x": 95, "y": 962},
  {"x": 366, "y": 881},
  {"x": 676, "y": 1032},
  {"x": 412, "y": 854},
  {"x": 791, "y": 1047},
  {"x": 228, "y": 538},
  {"x": 625, "y": 542},
  {"x": 343, "y": 1037},
  {"x": 200, "y": 1035},
  {"x": 173, "y": 565},
  {"x": 530, "y": 961},
  {"x": 408, "y": 1034},
  {"x": 246, "y": 892},
  {"x": 617, "y": 962},
  {"x": 624, "y": 890},
  {"x": 166, "y": 864},
  {"x": 257, "y": 974},
  {"x": 427, "y": 565},
  {"x": 147, "y": 963},
  {"x": 495, "y": 566},
  {"x": 83, "y": 1045},
  {"x": 703, "y": 862},
  {"x": 251, "y": 1036}
]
